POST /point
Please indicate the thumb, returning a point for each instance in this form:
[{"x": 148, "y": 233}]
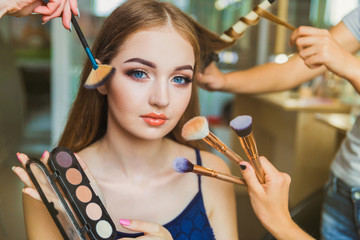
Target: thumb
[{"x": 249, "y": 176}]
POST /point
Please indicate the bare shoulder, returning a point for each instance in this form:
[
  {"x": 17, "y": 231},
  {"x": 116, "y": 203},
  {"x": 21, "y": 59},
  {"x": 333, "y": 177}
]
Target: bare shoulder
[{"x": 214, "y": 162}]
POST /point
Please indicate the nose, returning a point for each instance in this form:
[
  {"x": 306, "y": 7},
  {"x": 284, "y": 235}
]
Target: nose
[{"x": 160, "y": 95}]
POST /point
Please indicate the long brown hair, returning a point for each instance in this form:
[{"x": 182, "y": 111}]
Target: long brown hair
[{"x": 87, "y": 121}]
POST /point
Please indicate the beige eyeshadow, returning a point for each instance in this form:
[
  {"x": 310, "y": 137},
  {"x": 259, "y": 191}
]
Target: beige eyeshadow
[
  {"x": 93, "y": 211},
  {"x": 73, "y": 176},
  {"x": 83, "y": 193}
]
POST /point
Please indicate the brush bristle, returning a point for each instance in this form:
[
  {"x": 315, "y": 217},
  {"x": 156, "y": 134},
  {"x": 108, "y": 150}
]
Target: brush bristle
[
  {"x": 182, "y": 165},
  {"x": 99, "y": 76},
  {"x": 195, "y": 129},
  {"x": 242, "y": 125}
]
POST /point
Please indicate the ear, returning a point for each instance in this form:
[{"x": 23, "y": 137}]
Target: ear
[{"x": 102, "y": 89}]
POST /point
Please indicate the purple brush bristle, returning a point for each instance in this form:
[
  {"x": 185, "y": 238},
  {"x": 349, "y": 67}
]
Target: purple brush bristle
[
  {"x": 182, "y": 165},
  {"x": 242, "y": 125}
]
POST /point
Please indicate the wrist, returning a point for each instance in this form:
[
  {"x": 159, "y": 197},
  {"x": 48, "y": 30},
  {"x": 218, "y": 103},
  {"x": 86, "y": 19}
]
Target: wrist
[
  {"x": 289, "y": 230},
  {"x": 225, "y": 87}
]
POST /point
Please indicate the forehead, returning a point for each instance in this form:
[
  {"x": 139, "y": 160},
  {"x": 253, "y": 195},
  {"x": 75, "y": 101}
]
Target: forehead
[{"x": 158, "y": 44}]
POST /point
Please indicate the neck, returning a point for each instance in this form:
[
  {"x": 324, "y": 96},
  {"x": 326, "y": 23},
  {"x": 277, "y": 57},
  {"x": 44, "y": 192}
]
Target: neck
[{"x": 134, "y": 156}]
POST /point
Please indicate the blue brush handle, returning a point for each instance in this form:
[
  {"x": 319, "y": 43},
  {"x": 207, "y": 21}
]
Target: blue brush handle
[{"x": 82, "y": 39}]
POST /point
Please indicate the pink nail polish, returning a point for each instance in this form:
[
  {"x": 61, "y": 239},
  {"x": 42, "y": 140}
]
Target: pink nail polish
[
  {"x": 42, "y": 157},
  {"x": 125, "y": 222},
  {"x": 18, "y": 157}
]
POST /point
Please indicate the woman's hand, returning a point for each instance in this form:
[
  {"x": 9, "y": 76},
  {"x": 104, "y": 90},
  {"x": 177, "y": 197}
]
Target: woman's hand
[
  {"x": 30, "y": 189},
  {"x": 212, "y": 78},
  {"x": 270, "y": 200},
  {"x": 151, "y": 231}
]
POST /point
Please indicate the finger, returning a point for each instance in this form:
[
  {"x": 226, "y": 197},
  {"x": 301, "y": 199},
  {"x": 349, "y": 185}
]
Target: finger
[
  {"x": 314, "y": 61},
  {"x": 250, "y": 178},
  {"x": 57, "y": 12},
  {"x": 49, "y": 8},
  {"x": 268, "y": 167},
  {"x": 24, "y": 177},
  {"x": 74, "y": 7},
  {"x": 45, "y": 157},
  {"x": 308, "y": 52},
  {"x": 66, "y": 16},
  {"x": 23, "y": 158},
  {"x": 148, "y": 228},
  {"x": 32, "y": 193}
]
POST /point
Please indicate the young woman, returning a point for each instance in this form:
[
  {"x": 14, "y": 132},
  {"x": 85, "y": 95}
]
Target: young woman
[
  {"x": 128, "y": 134},
  {"x": 128, "y": 131}
]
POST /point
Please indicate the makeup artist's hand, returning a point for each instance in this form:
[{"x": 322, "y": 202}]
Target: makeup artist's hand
[
  {"x": 151, "y": 230},
  {"x": 317, "y": 47},
  {"x": 212, "y": 78},
  {"x": 270, "y": 200},
  {"x": 53, "y": 9}
]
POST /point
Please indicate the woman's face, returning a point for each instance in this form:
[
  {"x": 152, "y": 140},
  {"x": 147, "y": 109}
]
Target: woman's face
[{"x": 152, "y": 84}]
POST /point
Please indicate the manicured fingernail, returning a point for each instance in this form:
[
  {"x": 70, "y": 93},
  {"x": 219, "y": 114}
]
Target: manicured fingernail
[
  {"x": 18, "y": 157},
  {"x": 43, "y": 23},
  {"x": 243, "y": 167},
  {"x": 13, "y": 168},
  {"x": 125, "y": 222},
  {"x": 42, "y": 157},
  {"x": 78, "y": 12}
]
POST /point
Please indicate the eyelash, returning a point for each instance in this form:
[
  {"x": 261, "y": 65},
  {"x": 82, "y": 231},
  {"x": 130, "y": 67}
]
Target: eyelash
[{"x": 131, "y": 73}]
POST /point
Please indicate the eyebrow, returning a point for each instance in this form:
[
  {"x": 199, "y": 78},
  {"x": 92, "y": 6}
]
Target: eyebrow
[
  {"x": 153, "y": 65},
  {"x": 142, "y": 61}
]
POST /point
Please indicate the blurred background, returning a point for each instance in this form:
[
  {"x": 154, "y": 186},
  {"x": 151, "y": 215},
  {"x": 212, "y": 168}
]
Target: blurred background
[{"x": 41, "y": 64}]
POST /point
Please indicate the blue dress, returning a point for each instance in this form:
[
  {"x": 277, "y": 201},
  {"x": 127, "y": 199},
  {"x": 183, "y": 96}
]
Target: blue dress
[{"x": 192, "y": 223}]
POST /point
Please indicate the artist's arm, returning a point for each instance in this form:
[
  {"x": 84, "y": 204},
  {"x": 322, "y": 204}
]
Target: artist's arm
[
  {"x": 271, "y": 77},
  {"x": 317, "y": 47},
  {"x": 219, "y": 199},
  {"x": 270, "y": 201}
]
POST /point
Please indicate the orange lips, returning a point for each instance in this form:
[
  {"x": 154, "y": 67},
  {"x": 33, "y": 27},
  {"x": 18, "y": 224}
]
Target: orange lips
[{"x": 154, "y": 119}]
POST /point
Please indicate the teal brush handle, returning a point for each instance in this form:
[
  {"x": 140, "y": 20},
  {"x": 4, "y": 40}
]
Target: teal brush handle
[{"x": 82, "y": 39}]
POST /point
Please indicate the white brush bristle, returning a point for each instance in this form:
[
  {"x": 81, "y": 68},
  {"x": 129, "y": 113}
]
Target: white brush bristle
[{"x": 195, "y": 129}]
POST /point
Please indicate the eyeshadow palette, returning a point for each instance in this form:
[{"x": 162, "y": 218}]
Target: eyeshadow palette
[{"x": 86, "y": 215}]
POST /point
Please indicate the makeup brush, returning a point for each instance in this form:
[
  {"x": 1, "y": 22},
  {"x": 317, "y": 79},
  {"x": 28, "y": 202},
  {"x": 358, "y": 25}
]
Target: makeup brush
[
  {"x": 198, "y": 128},
  {"x": 252, "y": 18},
  {"x": 242, "y": 125},
  {"x": 182, "y": 165},
  {"x": 100, "y": 73}
]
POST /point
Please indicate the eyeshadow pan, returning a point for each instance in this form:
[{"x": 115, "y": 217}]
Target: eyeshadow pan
[
  {"x": 103, "y": 228},
  {"x": 93, "y": 211},
  {"x": 73, "y": 176},
  {"x": 64, "y": 159},
  {"x": 83, "y": 193}
]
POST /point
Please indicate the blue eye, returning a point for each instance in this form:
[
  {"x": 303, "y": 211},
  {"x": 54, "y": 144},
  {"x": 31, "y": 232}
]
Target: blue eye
[
  {"x": 181, "y": 80},
  {"x": 138, "y": 74}
]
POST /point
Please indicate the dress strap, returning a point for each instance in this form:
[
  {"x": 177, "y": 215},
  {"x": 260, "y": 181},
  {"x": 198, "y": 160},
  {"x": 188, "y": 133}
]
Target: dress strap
[{"x": 198, "y": 162}]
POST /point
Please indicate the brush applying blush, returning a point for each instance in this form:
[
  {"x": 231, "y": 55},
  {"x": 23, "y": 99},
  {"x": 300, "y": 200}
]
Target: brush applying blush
[
  {"x": 197, "y": 128},
  {"x": 242, "y": 126},
  {"x": 100, "y": 73},
  {"x": 182, "y": 165}
]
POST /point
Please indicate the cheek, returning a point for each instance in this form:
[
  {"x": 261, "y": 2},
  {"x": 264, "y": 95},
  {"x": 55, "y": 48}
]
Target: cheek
[
  {"x": 122, "y": 95},
  {"x": 181, "y": 101}
]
